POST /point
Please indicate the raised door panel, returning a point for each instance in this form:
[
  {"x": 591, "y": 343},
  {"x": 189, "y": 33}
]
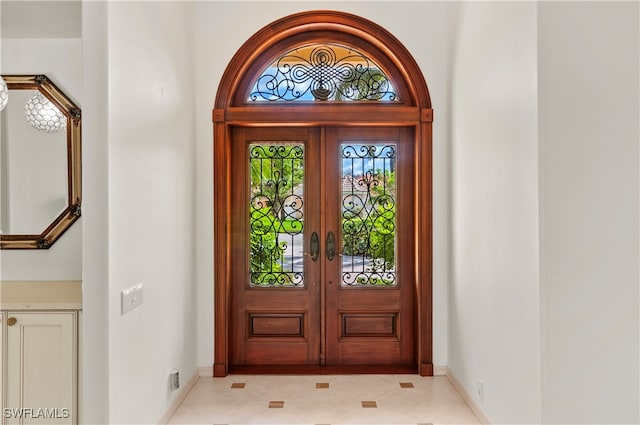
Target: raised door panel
[
  {"x": 42, "y": 368},
  {"x": 370, "y": 283},
  {"x": 275, "y": 280}
]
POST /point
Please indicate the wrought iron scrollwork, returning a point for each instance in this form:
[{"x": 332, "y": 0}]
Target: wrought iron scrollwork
[
  {"x": 323, "y": 72},
  {"x": 276, "y": 214},
  {"x": 368, "y": 215}
]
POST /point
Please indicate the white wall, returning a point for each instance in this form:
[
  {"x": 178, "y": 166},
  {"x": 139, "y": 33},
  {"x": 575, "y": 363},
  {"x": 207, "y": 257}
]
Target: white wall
[
  {"x": 219, "y": 35},
  {"x": 41, "y": 19},
  {"x": 61, "y": 60},
  {"x": 94, "y": 370},
  {"x": 493, "y": 293},
  {"x": 137, "y": 181},
  {"x": 151, "y": 205},
  {"x": 589, "y": 112}
]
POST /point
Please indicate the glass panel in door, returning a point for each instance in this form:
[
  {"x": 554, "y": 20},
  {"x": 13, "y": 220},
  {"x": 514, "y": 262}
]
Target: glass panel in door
[
  {"x": 276, "y": 217},
  {"x": 370, "y": 283},
  {"x": 368, "y": 222},
  {"x": 275, "y": 281}
]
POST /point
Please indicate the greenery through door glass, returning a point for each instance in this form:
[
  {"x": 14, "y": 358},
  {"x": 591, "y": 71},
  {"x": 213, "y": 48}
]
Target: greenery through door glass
[
  {"x": 276, "y": 216},
  {"x": 368, "y": 215}
]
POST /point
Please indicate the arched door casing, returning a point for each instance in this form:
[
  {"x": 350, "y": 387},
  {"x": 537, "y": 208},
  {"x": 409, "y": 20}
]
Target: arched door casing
[{"x": 306, "y": 314}]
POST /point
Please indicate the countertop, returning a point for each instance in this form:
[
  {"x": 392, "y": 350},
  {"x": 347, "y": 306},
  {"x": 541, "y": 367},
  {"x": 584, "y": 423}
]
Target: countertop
[{"x": 41, "y": 295}]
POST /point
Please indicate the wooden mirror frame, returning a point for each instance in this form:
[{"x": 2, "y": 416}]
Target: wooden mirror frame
[
  {"x": 233, "y": 109},
  {"x": 72, "y": 212}
]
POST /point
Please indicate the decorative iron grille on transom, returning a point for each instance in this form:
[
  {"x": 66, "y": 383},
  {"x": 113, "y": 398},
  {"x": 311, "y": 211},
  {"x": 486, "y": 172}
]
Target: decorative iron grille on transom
[
  {"x": 368, "y": 215},
  {"x": 276, "y": 218},
  {"x": 323, "y": 72}
]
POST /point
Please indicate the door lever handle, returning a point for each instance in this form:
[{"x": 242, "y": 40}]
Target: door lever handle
[
  {"x": 314, "y": 246},
  {"x": 331, "y": 246}
]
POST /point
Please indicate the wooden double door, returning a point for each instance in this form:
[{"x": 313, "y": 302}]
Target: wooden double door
[{"x": 323, "y": 239}]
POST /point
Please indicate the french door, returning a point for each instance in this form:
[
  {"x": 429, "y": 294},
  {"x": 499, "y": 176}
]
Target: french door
[{"x": 322, "y": 257}]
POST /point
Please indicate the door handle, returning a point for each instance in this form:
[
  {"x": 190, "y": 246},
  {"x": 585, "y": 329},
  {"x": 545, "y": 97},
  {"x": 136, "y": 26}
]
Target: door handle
[
  {"x": 331, "y": 246},
  {"x": 314, "y": 246}
]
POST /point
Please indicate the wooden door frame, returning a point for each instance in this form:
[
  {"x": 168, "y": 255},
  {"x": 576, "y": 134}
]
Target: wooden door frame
[{"x": 232, "y": 109}]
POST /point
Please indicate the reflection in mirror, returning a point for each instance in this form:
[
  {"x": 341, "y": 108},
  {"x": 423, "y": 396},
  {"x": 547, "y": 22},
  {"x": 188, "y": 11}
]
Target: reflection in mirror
[
  {"x": 34, "y": 171},
  {"x": 39, "y": 164}
]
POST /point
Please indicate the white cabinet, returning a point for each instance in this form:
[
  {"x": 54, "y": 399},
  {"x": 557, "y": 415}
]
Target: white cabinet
[{"x": 40, "y": 359}]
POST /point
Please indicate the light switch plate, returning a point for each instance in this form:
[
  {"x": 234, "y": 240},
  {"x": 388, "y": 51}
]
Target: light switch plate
[{"x": 131, "y": 298}]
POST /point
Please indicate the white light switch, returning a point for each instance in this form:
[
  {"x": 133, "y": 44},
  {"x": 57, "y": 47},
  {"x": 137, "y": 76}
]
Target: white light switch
[{"x": 131, "y": 298}]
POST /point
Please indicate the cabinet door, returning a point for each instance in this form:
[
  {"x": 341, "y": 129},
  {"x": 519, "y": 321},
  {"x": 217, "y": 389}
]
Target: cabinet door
[{"x": 41, "y": 374}]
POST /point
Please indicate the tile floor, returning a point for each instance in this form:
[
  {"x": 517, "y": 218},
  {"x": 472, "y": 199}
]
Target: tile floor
[{"x": 333, "y": 399}]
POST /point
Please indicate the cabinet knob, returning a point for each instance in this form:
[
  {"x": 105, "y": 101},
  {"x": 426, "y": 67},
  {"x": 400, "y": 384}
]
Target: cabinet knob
[{"x": 12, "y": 321}]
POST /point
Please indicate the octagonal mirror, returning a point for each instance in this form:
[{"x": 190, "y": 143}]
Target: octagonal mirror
[{"x": 40, "y": 163}]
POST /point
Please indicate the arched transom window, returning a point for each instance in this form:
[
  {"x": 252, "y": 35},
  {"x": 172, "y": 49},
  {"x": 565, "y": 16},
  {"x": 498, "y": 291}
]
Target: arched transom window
[{"x": 323, "y": 72}]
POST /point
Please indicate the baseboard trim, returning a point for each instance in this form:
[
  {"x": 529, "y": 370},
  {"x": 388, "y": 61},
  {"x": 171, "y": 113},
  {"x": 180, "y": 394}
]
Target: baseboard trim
[
  {"x": 467, "y": 398},
  {"x": 205, "y": 372},
  {"x": 173, "y": 406},
  {"x": 439, "y": 371}
]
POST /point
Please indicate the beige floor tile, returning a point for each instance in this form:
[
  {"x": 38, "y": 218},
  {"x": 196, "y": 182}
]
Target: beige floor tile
[
  {"x": 431, "y": 400},
  {"x": 286, "y": 388},
  {"x": 325, "y": 408},
  {"x": 367, "y": 387},
  {"x": 186, "y": 415},
  {"x": 425, "y": 406}
]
